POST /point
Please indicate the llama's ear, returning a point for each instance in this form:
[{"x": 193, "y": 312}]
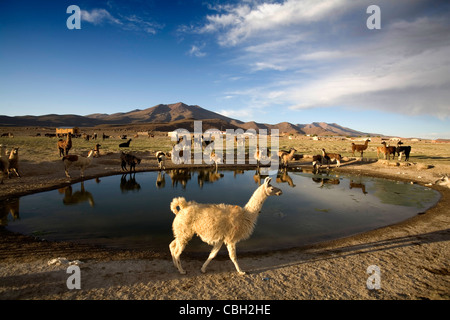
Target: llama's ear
[{"x": 267, "y": 180}]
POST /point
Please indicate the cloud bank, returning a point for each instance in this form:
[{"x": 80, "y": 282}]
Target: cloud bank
[{"x": 321, "y": 54}]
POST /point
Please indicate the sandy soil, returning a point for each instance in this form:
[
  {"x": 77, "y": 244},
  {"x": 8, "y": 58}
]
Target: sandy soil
[{"x": 413, "y": 256}]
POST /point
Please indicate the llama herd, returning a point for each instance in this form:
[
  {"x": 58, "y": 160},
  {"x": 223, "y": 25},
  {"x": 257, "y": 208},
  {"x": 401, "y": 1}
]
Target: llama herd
[{"x": 9, "y": 163}]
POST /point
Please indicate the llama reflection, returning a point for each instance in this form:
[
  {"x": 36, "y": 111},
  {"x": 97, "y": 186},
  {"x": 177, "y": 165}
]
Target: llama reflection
[
  {"x": 129, "y": 184},
  {"x": 326, "y": 181},
  {"x": 78, "y": 196},
  {"x": 359, "y": 185},
  {"x": 260, "y": 174},
  {"x": 180, "y": 176},
  {"x": 208, "y": 175},
  {"x": 161, "y": 179},
  {"x": 283, "y": 177},
  {"x": 9, "y": 206}
]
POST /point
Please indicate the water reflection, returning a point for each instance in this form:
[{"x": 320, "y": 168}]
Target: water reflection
[
  {"x": 359, "y": 185},
  {"x": 181, "y": 176},
  {"x": 325, "y": 182},
  {"x": 306, "y": 214},
  {"x": 260, "y": 175},
  {"x": 9, "y": 206},
  {"x": 128, "y": 183},
  {"x": 283, "y": 177},
  {"x": 161, "y": 179},
  {"x": 208, "y": 175},
  {"x": 76, "y": 197}
]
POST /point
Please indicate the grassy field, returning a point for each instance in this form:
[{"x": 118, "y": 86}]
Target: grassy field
[{"x": 41, "y": 148}]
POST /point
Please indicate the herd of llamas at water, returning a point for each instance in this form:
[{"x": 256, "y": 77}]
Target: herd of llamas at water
[
  {"x": 215, "y": 224},
  {"x": 9, "y": 163}
]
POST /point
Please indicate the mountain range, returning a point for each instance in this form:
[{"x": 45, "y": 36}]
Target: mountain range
[{"x": 167, "y": 117}]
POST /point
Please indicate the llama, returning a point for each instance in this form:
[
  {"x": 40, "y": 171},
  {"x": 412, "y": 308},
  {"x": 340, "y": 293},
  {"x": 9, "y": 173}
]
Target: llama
[
  {"x": 360, "y": 147},
  {"x": 386, "y": 150},
  {"x": 4, "y": 162},
  {"x": 402, "y": 149},
  {"x": 65, "y": 145},
  {"x": 125, "y": 144},
  {"x": 285, "y": 157},
  {"x": 216, "y": 224},
  {"x": 14, "y": 162},
  {"x": 97, "y": 150},
  {"x": 129, "y": 159},
  {"x": 77, "y": 161},
  {"x": 161, "y": 157},
  {"x": 331, "y": 157},
  {"x": 216, "y": 159},
  {"x": 257, "y": 156},
  {"x": 316, "y": 159},
  {"x": 443, "y": 181}
]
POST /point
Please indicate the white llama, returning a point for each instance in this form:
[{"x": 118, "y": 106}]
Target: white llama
[
  {"x": 216, "y": 224},
  {"x": 215, "y": 159},
  {"x": 77, "y": 161}
]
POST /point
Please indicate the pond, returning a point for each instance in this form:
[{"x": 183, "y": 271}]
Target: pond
[{"x": 132, "y": 211}]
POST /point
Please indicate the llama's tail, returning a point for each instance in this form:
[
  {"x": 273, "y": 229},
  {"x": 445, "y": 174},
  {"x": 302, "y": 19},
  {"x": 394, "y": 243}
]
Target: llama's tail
[{"x": 178, "y": 202}]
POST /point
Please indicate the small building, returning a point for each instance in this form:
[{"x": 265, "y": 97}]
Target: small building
[
  {"x": 62, "y": 131},
  {"x": 143, "y": 134}
]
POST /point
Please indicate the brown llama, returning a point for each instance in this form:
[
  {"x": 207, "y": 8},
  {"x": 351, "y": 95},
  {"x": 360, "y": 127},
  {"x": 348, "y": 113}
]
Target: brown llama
[
  {"x": 386, "y": 150},
  {"x": 360, "y": 147},
  {"x": 65, "y": 145}
]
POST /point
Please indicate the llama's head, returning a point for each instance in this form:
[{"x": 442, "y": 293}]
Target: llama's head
[{"x": 270, "y": 189}]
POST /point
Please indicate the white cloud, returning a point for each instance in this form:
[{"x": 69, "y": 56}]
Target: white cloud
[
  {"x": 243, "y": 21},
  {"x": 130, "y": 22},
  {"x": 320, "y": 53},
  {"x": 98, "y": 16},
  {"x": 196, "y": 51}
]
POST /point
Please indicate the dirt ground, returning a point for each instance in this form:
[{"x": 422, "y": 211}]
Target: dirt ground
[{"x": 413, "y": 257}]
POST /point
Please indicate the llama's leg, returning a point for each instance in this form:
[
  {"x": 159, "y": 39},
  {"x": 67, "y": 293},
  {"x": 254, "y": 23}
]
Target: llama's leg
[
  {"x": 176, "y": 248},
  {"x": 66, "y": 171},
  {"x": 14, "y": 170},
  {"x": 213, "y": 253},
  {"x": 232, "y": 252}
]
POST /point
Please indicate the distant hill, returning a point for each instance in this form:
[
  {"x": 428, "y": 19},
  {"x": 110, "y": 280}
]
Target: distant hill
[
  {"x": 160, "y": 113},
  {"x": 168, "y": 117}
]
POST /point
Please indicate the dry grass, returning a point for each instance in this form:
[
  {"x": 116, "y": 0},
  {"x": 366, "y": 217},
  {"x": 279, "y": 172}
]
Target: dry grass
[{"x": 36, "y": 149}]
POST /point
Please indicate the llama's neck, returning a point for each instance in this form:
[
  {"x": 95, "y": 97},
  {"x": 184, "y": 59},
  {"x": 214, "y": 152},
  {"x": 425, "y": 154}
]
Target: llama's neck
[
  {"x": 256, "y": 201},
  {"x": 89, "y": 157}
]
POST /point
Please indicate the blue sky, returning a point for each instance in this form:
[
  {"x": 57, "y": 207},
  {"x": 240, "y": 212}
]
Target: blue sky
[{"x": 267, "y": 61}]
